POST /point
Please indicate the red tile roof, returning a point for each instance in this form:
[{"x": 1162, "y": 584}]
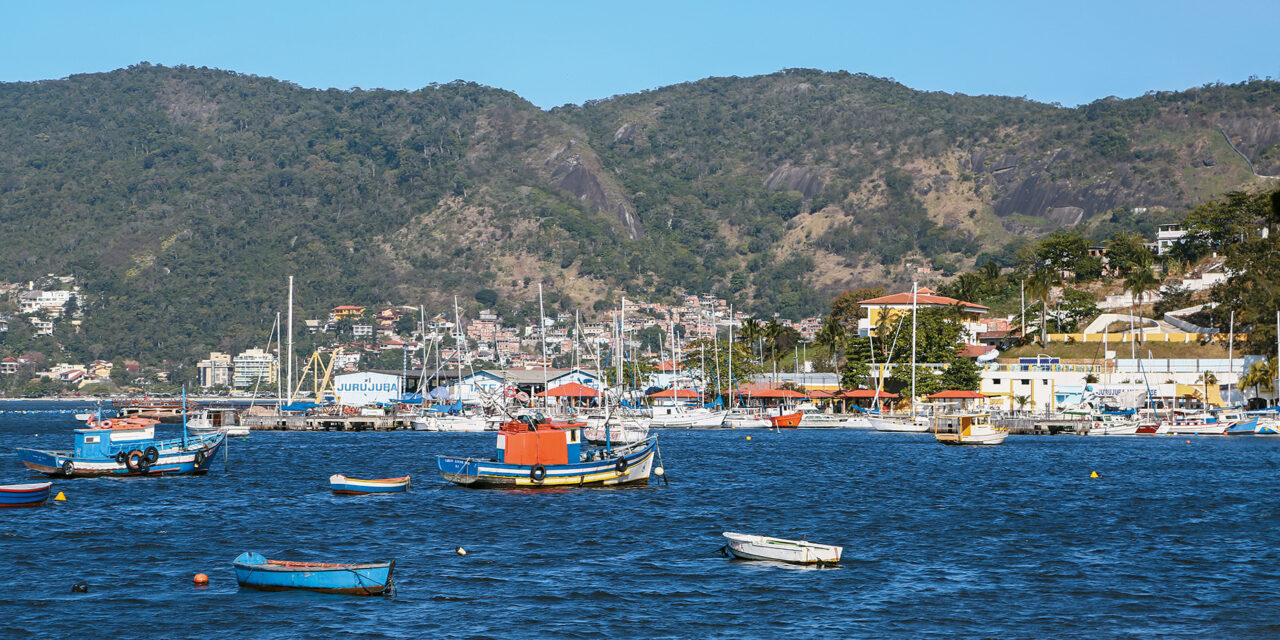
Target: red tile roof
[
  {"x": 923, "y": 296},
  {"x": 957, "y": 395}
]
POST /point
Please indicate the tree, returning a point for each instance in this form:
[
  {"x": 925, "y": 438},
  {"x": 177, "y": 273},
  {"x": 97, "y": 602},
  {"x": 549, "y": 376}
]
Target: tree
[
  {"x": 1126, "y": 252},
  {"x": 962, "y": 374},
  {"x": 1021, "y": 401},
  {"x": 1076, "y": 307},
  {"x": 1062, "y": 251},
  {"x": 1039, "y": 285},
  {"x": 854, "y": 374},
  {"x": 1261, "y": 377},
  {"x": 845, "y": 308},
  {"x": 1138, "y": 283},
  {"x": 831, "y": 336}
]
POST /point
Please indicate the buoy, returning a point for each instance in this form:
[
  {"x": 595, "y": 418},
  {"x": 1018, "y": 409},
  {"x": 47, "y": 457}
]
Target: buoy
[
  {"x": 1188, "y": 442},
  {"x": 201, "y": 579},
  {"x": 1094, "y": 475},
  {"x": 61, "y": 497},
  {"x": 79, "y": 587},
  {"x": 658, "y": 471},
  {"x": 748, "y": 437},
  {"x": 460, "y": 551}
]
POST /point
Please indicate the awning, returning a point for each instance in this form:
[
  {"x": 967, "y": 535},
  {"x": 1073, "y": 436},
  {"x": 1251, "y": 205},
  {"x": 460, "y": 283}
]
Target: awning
[{"x": 570, "y": 390}]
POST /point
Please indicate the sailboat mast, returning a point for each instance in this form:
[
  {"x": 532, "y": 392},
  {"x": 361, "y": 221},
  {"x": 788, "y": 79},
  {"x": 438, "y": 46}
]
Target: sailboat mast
[
  {"x": 913, "y": 350},
  {"x": 289, "y": 353},
  {"x": 542, "y": 325},
  {"x": 457, "y": 347},
  {"x": 730, "y": 346}
]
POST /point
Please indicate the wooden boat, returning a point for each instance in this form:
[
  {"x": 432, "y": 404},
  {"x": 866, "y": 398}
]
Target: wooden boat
[
  {"x": 749, "y": 547},
  {"x": 366, "y": 579},
  {"x": 126, "y": 447},
  {"x": 342, "y": 484},
  {"x": 788, "y": 421},
  {"x": 32, "y": 494},
  {"x": 969, "y": 429},
  {"x": 532, "y": 454}
]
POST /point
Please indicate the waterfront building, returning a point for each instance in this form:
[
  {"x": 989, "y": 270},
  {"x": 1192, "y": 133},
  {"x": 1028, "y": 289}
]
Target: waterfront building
[
  {"x": 254, "y": 366},
  {"x": 214, "y": 371}
]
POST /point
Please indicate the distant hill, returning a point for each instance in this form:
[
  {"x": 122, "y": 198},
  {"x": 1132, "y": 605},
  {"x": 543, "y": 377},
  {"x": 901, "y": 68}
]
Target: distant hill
[{"x": 185, "y": 196}]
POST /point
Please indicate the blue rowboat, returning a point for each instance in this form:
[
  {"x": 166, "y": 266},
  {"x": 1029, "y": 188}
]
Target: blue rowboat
[
  {"x": 24, "y": 495},
  {"x": 1247, "y": 427},
  {"x": 342, "y": 484},
  {"x": 368, "y": 579}
]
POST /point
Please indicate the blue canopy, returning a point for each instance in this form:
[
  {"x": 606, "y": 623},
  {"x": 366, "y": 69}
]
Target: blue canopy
[
  {"x": 718, "y": 404},
  {"x": 628, "y": 405},
  {"x": 447, "y": 408},
  {"x": 299, "y": 406},
  {"x": 411, "y": 398}
]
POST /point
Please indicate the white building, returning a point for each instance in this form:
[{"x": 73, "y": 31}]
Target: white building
[
  {"x": 1167, "y": 236},
  {"x": 254, "y": 367},
  {"x": 51, "y": 301},
  {"x": 215, "y": 371}
]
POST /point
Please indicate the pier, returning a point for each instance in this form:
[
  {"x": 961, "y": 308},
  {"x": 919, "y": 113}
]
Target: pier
[{"x": 326, "y": 423}]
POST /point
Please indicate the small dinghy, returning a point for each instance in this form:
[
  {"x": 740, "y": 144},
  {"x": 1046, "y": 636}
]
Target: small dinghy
[
  {"x": 749, "y": 547},
  {"x": 342, "y": 484},
  {"x": 31, "y": 494},
  {"x": 367, "y": 579}
]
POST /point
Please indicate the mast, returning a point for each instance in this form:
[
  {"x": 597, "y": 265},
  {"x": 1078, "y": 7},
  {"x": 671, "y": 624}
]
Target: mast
[
  {"x": 1277, "y": 387},
  {"x": 279, "y": 393},
  {"x": 289, "y": 355},
  {"x": 542, "y": 324},
  {"x": 913, "y": 350},
  {"x": 457, "y": 347},
  {"x": 731, "y": 358}
]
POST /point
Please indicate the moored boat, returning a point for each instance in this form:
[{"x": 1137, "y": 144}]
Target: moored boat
[
  {"x": 126, "y": 448},
  {"x": 363, "y": 579},
  {"x": 32, "y": 494},
  {"x": 533, "y": 454},
  {"x": 342, "y": 484},
  {"x": 786, "y": 421},
  {"x": 753, "y": 547},
  {"x": 968, "y": 429},
  {"x": 905, "y": 424}
]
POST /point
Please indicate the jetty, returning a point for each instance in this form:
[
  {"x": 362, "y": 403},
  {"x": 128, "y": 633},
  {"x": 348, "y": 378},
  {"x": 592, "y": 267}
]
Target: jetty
[{"x": 326, "y": 423}]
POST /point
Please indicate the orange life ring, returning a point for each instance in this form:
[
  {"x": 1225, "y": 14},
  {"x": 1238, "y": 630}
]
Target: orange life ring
[{"x": 510, "y": 392}]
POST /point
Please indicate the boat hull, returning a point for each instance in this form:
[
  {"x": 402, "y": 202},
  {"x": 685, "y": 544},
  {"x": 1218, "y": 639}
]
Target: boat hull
[
  {"x": 489, "y": 474},
  {"x": 354, "y": 486},
  {"x": 900, "y": 425},
  {"x": 24, "y": 495},
  {"x": 173, "y": 459},
  {"x": 788, "y": 421},
  {"x": 748, "y": 547},
  {"x": 976, "y": 439},
  {"x": 370, "y": 579}
]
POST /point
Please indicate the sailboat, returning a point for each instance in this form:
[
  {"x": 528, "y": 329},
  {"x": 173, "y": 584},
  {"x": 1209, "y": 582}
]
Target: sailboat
[{"x": 913, "y": 423}]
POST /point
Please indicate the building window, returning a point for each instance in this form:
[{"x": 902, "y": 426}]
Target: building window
[
  {"x": 1026, "y": 382},
  {"x": 1044, "y": 381},
  {"x": 995, "y": 381}
]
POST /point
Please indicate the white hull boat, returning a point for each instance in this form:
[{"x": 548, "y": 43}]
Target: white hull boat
[
  {"x": 450, "y": 424},
  {"x": 627, "y": 432},
  {"x": 671, "y": 418},
  {"x": 749, "y": 547},
  {"x": 746, "y": 420},
  {"x": 919, "y": 424},
  {"x": 818, "y": 420},
  {"x": 970, "y": 429},
  {"x": 1114, "y": 428}
]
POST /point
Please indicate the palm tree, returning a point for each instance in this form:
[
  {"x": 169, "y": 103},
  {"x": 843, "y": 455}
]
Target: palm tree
[
  {"x": 1208, "y": 379},
  {"x": 1138, "y": 283},
  {"x": 750, "y": 331},
  {"x": 771, "y": 332},
  {"x": 1261, "y": 376},
  {"x": 1022, "y": 401},
  {"x": 1038, "y": 287},
  {"x": 831, "y": 336}
]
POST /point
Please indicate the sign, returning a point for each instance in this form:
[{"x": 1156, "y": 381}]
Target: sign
[{"x": 366, "y": 388}]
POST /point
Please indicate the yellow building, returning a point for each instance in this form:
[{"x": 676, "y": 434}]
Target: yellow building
[{"x": 889, "y": 308}]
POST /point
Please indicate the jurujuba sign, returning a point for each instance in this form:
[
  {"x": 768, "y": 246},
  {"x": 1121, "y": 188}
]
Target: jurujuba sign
[{"x": 366, "y": 388}]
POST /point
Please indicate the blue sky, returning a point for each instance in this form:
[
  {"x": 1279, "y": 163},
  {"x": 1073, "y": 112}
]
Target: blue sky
[{"x": 554, "y": 53}]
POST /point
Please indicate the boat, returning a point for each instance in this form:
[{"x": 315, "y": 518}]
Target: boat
[
  {"x": 786, "y": 421},
  {"x": 744, "y": 419},
  {"x": 903, "y": 424},
  {"x": 1186, "y": 422},
  {"x": 815, "y": 418},
  {"x": 431, "y": 421},
  {"x": 619, "y": 431},
  {"x": 364, "y": 579},
  {"x": 126, "y": 447},
  {"x": 1107, "y": 424},
  {"x": 678, "y": 417},
  {"x": 533, "y": 454},
  {"x": 969, "y": 429},
  {"x": 32, "y": 494},
  {"x": 751, "y": 547},
  {"x": 342, "y": 484}
]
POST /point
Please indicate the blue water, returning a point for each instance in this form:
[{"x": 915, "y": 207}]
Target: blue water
[{"x": 1174, "y": 540}]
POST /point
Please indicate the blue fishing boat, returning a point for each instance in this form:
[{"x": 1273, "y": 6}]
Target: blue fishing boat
[
  {"x": 533, "y": 454},
  {"x": 31, "y": 494},
  {"x": 1247, "y": 427},
  {"x": 127, "y": 447},
  {"x": 368, "y": 579}
]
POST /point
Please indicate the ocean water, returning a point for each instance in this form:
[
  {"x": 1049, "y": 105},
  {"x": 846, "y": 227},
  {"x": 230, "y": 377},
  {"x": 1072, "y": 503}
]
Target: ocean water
[{"x": 1174, "y": 540}]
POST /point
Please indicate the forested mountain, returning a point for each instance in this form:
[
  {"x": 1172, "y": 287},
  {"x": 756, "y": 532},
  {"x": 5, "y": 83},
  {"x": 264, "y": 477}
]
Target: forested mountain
[{"x": 183, "y": 197}]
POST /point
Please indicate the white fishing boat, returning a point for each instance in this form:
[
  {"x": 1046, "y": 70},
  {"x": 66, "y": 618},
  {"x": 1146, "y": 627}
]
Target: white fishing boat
[
  {"x": 815, "y": 418},
  {"x": 968, "y": 429},
  {"x": 749, "y": 547},
  {"x": 741, "y": 419},
  {"x": 431, "y": 421},
  {"x": 902, "y": 424},
  {"x": 1112, "y": 425},
  {"x": 677, "y": 417},
  {"x": 620, "y": 431}
]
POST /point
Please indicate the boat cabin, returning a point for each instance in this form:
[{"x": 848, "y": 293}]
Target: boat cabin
[
  {"x": 98, "y": 443},
  {"x": 539, "y": 443}
]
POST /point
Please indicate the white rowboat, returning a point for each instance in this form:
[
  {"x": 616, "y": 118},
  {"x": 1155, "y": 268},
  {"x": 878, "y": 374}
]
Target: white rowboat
[{"x": 749, "y": 547}]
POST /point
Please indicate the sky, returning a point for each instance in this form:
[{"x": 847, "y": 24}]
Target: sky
[{"x": 553, "y": 53}]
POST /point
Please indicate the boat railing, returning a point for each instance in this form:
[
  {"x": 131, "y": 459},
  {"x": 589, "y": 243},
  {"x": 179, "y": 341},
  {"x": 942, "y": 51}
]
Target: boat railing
[{"x": 161, "y": 445}]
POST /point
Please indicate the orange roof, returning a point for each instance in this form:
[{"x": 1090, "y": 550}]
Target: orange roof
[
  {"x": 954, "y": 394},
  {"x": 347, "y": 307},
  {"x": 772, "y": 393},
  {"x": 569, "y": 390},
  {"x": 866, "y": 393},
  {"x": 822, "y": 393},
  {"x": 923, "y": 296},
  {"x": 973, "y": 350},
  {"x": 675, "y": 393}
]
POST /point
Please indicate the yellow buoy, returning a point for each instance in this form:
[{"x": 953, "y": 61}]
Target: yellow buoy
[
  {"x": 748, "y": 437},
  {"x": 1094, "y": 475},
  {"x": 61, "y": 496}
]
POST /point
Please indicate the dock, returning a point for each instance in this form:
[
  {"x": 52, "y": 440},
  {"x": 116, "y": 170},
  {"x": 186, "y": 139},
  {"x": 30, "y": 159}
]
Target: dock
[{"x": 327, "y": 423}]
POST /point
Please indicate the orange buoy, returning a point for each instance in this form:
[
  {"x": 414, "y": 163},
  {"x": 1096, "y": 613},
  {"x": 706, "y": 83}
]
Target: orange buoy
[
  {"x": 1188, "y": 442},
  {"x": 201, "y": 579}
]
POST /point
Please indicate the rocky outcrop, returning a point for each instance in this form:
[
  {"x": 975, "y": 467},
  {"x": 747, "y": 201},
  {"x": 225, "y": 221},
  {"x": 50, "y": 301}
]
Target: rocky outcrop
[
  {"x": 807, "y": 180},
  {"x": 1257, "y": 139},
  {"x": 579, "y": 173}
]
